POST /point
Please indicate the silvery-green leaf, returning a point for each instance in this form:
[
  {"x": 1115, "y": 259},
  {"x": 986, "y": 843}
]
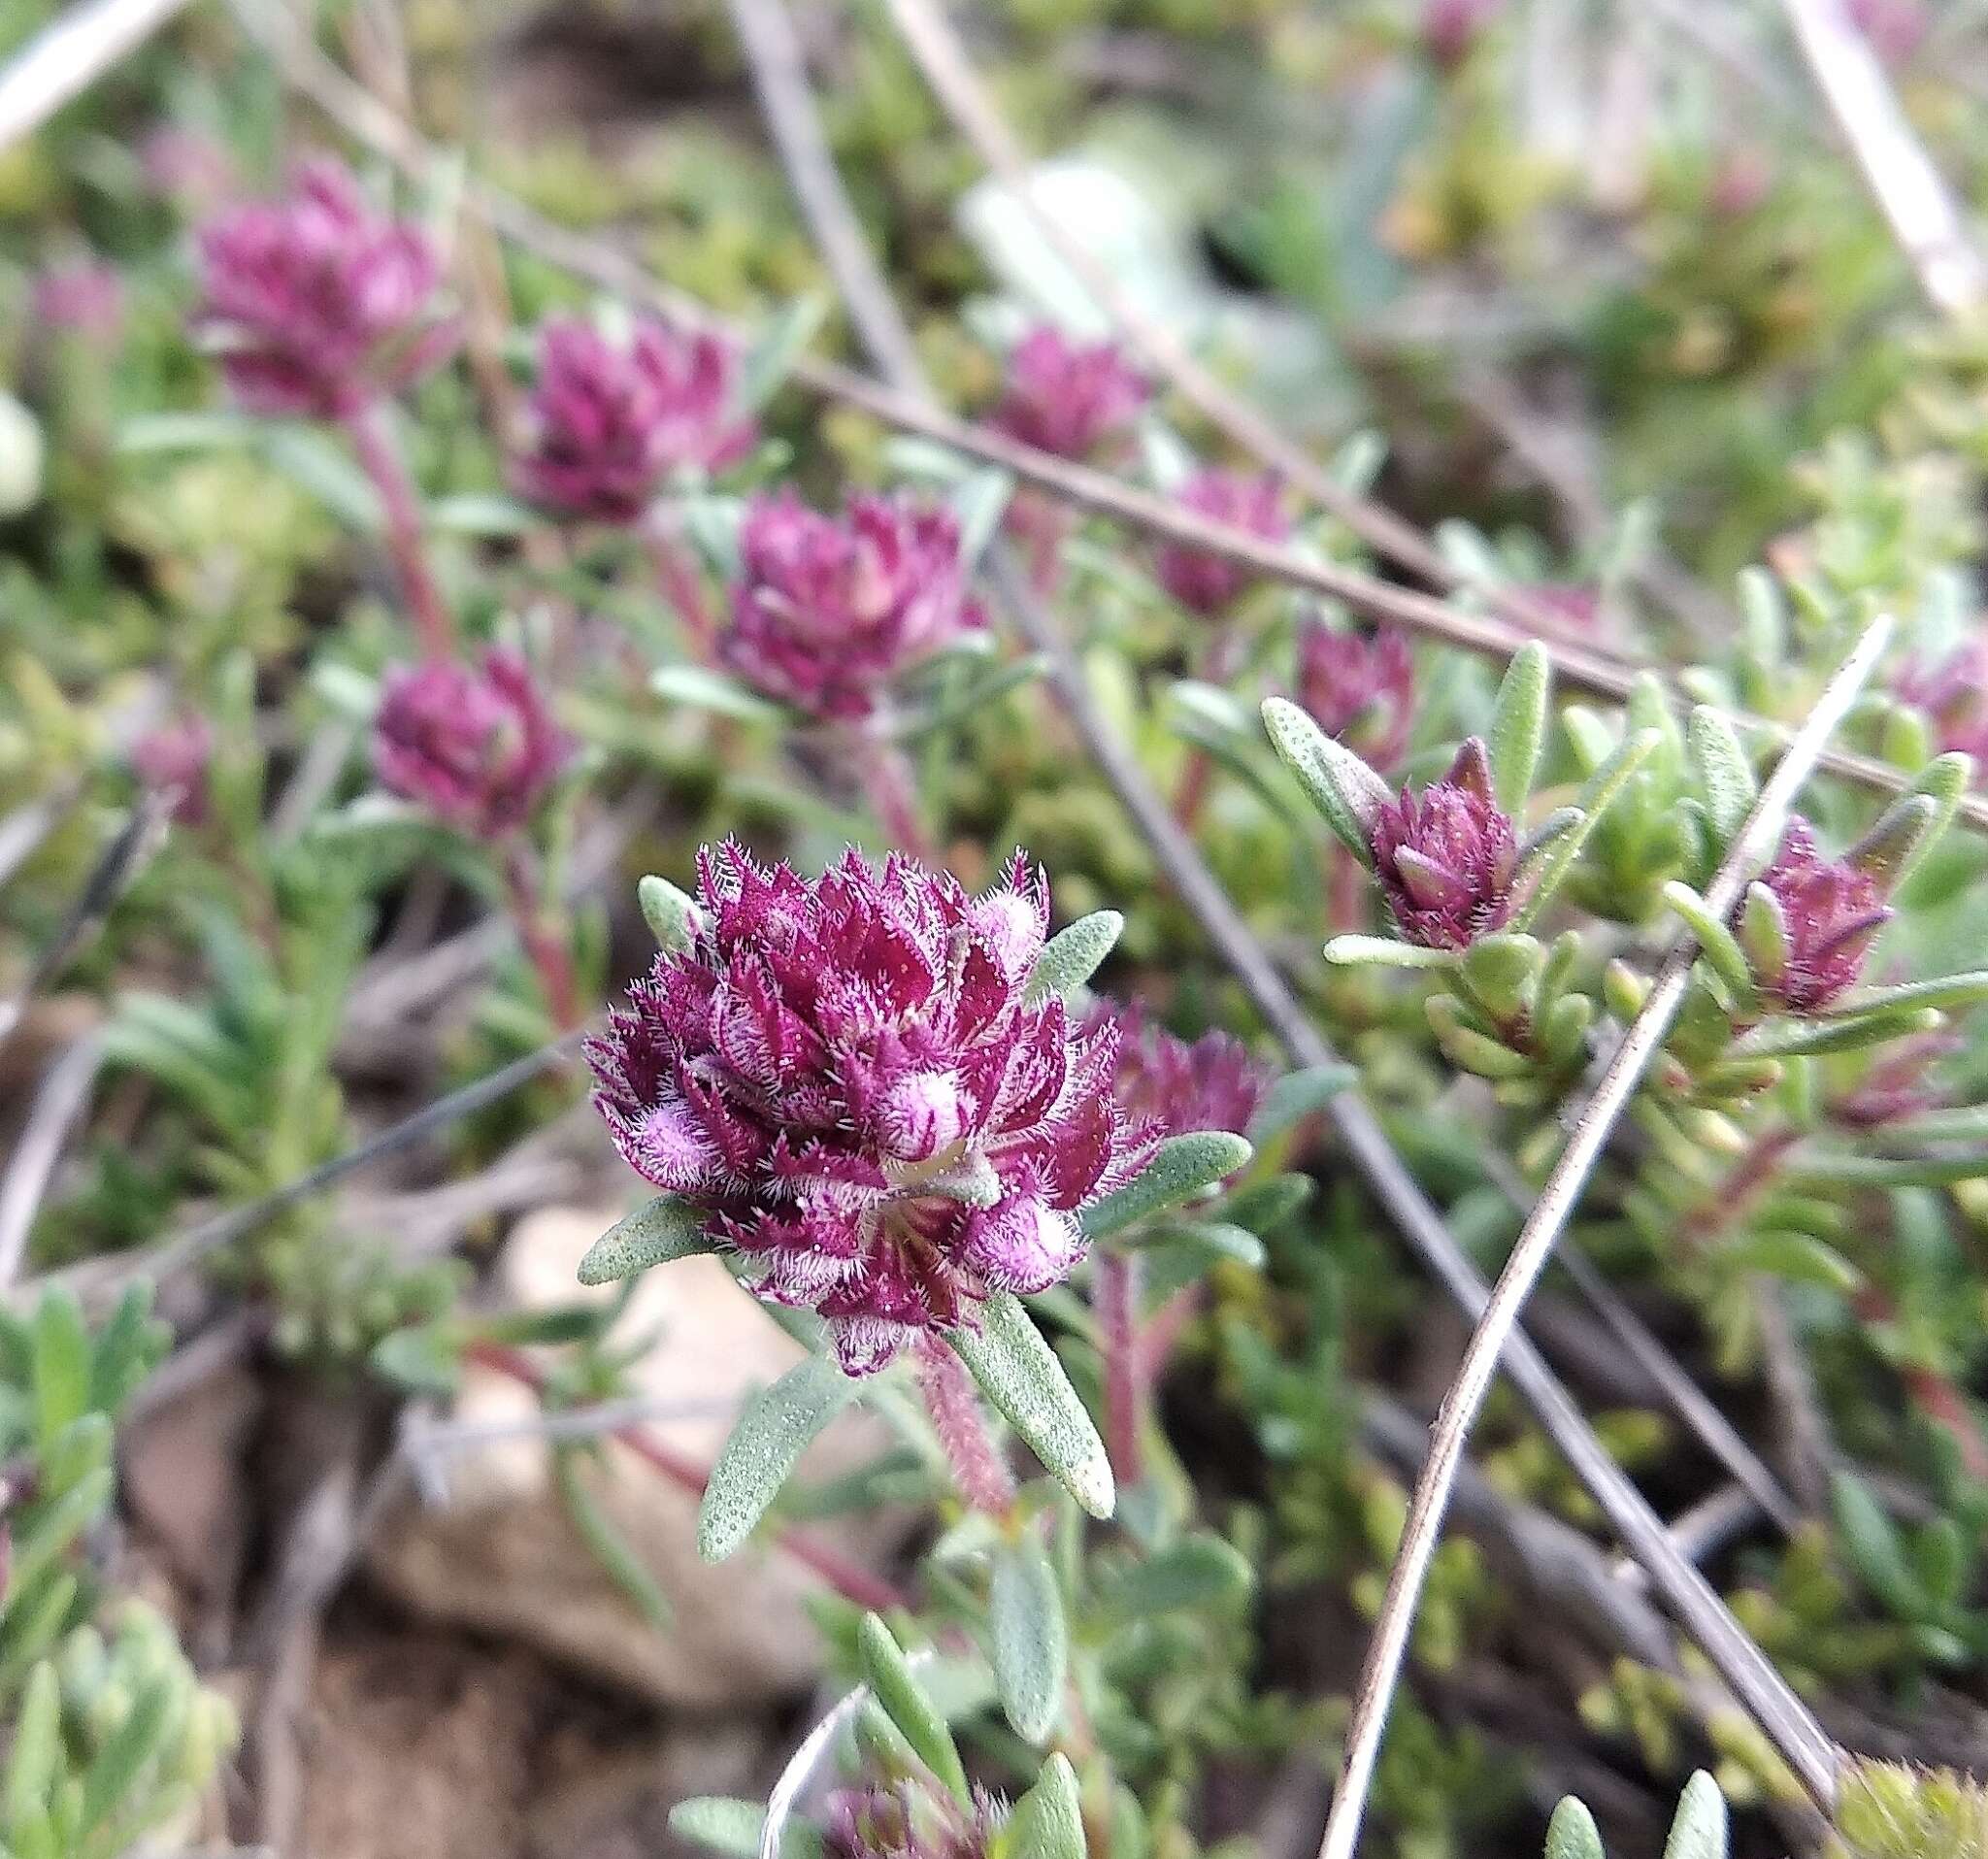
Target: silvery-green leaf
[
  {"x": 1792, "y": 1038},
  {"x": 1020, "y": 1375},
  {"x": 1047, "y": 1822},
  {"x": 782, "y": 342},
  {"x": 1571, "y": 1832},
  {"x": 1201, "y": 1573},
  {"x": 1502, "y": 972},
  {"x": 774, "y": 1428},
  {"x": 1031, "y": 1639},
  {"x": 1944, "y": 992},
  {"x": 1294, "y": 1096},
  {"x": 1347, "y": 792},
  {"x": 1182, "y": 1167},
  {"x": 706, "y": 689},
  {"x": 1894, "y": 844},
  {"x": 1386, "y": 951},
  {"x": 1763, "y": 933},
  {"x": 483, "y": 514},
  {"x": 1699, "y": 1831},
  {"x": 670, "y": 911},
  {"x": 736, "y": 1829},
  {"x": 903, "y": 1699},
  {"x": 665, "y": 1229},
  {"x": 312, "y": 461},
  {"x": 1073, "y": 955},
  {"x": 1723, "y": 770},
  {"x": 1718, "y": 944},
  {"x": 978, "y": 502},
  {"x": 1518, "y": 725}
]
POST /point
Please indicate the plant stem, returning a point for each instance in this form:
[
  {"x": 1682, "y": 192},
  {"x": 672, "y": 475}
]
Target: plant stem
[
  {"x": 892, "y": 793},
  {"x": 680, "y": 581},
  {"x": 380, "y": 457},
  {"x": 854, "y": 1585},
  {"x": 545, "y": 942},
  {"x": 978, "y": 1469},
  {"x": 1116, "y": 1294}
]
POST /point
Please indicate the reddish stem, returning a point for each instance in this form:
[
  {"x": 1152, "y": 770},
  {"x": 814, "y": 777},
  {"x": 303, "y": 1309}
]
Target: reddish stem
[
  {"x": 544, "y": 943},
  {"x": 380, "y": 457},
  {"x": 681, "y": 581},
  {"x": 887, "y": 784},
  {"x": 854, "y": 1585},
  {"x": 978, "y": 1469},
  {"x": 1114, "y": 1292}
]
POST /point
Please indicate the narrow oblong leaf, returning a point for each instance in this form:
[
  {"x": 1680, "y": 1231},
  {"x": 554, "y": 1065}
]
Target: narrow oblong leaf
[
  {"x": 1019, "y": 1373},
  {"x": 1945, "y": 780},
  {"x": 1945, "y": 991},
  {"x": 33, "y": 1760},
  {"x": 670, "y": 913},
  {"x": 773, "y": 1429},
  {"x": 1199, "y": 1573},
  {"x": 905, "y": 1701},
  {"x": 1347, "y": 792},
  {"x": 1893, "y": 845},
  {"x": 1047, "y": 1822},
  {"x": 1073, "y": 955},
  {"x": 1718, "y": 944},
  {"x": 1597, "y": 795},
  {"x": 1031, "y": 1640},
  {"x": 1295, "y": 1096},
  {"x": 705, "y": 689},
  {"x": 1518, "y": 725},
  {"x": 663, "y": 1230},
  {"x": 1571, "y": 1832},
  {"x": 1699, "y": 1832},
  {"x": 1181, "y": 1167},
  {"x": 1385, "y": 952},
  {"x": 1723, "y": 770},
  {"x": 61, "y": 1364},
  {"x": 607, "y": 1546},
  {"x": 133, "y": 1744}
]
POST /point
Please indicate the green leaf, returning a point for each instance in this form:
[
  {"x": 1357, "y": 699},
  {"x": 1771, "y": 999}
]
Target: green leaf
[
  {"x": 61, "y": 1364},
  {"x": 1047, "y": 1822},
  {"x": 736, "y": 1829},
  {"x": 1073, "y": 955},
  {"x": 1338, "y": 784},
  {"x": 1296, "y": 1095},
  {"x": 1792, "y": 1038},
  {"x": 1699, "y": 1832},
  {"x": 670, "y": 911},
  {"x": 1763, "y": 933},
  {"x": 1895, "y": 842},
  {"x": 903, "y": 1700},
  {"x": 1031, "y": 1639},
  {"x": 1201, "y": 1573},
  {"x": 484, "y": 513},
  {"x": 312, "y": 461},
  {"x": 1571, "y": 1832},
  {"x": 1872, "y": 1545},
  {"x": 1797, "y": 1258},
  {"x": 1945, "y": 991},
  {"x": 1597, "y": 795},
  {"x": 664, "y": 1230},
  {"x": 33, "y": 1763},
  {"x": 1518, "y": 725},
  {"x": 420, "y": 1357},
  {"x": 1183, "y": 1166},
  {"x": 1723, "y": 770},
  {"x": 1718, "y": 944},
  {"x": 978, "y": 502},
  {"x": 134, "y": 1742},
  {"x": 606, "y": 1544},
  {"x": 1945, "y": 780},
  {"x": 706, "y": 689},
  {"x": 1386, "y": 951},
  {"x": 781, "y": 343},
  {"x": 1020, "y": 1375},
  {"x": 1502, "y": 972},
  {"x": 774, "y": 1428}
]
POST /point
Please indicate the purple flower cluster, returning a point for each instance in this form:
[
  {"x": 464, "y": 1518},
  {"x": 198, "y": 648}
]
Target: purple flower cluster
[
  {"x": 1954, "y": 695},
  {"x": 82, "y": 297},
  {"x": 844, "y": 1075},
  {"x": 610, "y": 421},
  {"x": 827, "y": 612},
  {"x": 1446, "y": 858},
  {"x": 171, "y": 758},
  {"x": 1069, "y": 397},
  {"x": 320, "y": 305},
  {"x": 1179, "y": 1085},
  {"x": 1206, "y": 585},
  {"x": 905, "y": 1822},
  {"x": 475, "y": 745},
  {"x": 1830, "y": 912},
  {"x": 1358, "y": 688}
]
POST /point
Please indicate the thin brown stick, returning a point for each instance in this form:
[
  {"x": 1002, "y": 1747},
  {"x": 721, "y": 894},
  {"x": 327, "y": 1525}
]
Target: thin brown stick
[
  {"x": 1814, "y": 1763},
  {"x": 63, "y": 1097},
  {"x": 1781, "y": 1715},
  {"x": 1576, "y": 666},
  {"x": 1916, "y": 204}
]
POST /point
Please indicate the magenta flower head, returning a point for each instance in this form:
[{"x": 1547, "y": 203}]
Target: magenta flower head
[
  {"x": 172, "y": 760},
  {"x": 846, "y": 1076},
  {"x": 1954, "y": 695},
  {"x": 1450, "y": 28},
  {"x": 1179, "y": 1085},
  {"x": 1829, "y": 914},
  {"x": 84, "y": 298},
  {"x": 318, "y": 303},
  {"x": 828, "y": 612},
  {"x": 475, "y": 745},
  {"x": 610, "y": 421},
  {"x": 1069, "y": 397},
  {"x": 1358, "y": 688},
  {"x": 1208, "y": 585},
  {"x": 1446, "y": 858},
  {"x": 905, "y": 1822}
]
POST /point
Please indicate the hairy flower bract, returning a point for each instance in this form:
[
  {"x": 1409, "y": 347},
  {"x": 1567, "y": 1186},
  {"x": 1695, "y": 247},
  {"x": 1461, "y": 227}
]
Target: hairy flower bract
[
  {"x": 1358, "y": 688},
  {"x": 1208, "y": 585},
  {"x": 1069, "y": 397},
  {"x": 1830, "y": 912},
  {"x": 845, "y": 1074},
  {"x": 1446, "y": 858}
]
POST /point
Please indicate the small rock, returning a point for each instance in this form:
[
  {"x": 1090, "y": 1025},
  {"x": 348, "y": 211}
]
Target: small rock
[{"x": 501, "y": 1554}]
